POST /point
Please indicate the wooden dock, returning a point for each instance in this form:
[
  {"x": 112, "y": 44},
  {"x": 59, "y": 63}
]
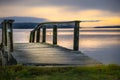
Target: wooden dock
[
  {"x": 46, "y": 55},
  {"x": 40, "y": 53}
]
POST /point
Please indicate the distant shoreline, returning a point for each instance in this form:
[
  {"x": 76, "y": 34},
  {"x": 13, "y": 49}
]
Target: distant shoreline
[
  {"x": 32, "y": 25},
  {"x": 108, "y": 27}
]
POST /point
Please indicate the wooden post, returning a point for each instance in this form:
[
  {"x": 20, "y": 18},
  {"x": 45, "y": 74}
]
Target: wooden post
[
  {"x": 30, "y": 38},
  {"x": 33, "y": 36},
  {"x": 76, "y": 36},
  {"x": 54, "y": 34},
  {"x": 44, "y": 34},
  {"x": 10, "y": 34},
  {"x": 3, "y": 24},
  {"x": 4, "y": 33},
  {"x": 4, "y": 44},
  {"x": 38, "y": 35},
  {"x": 7, "y": 41}
]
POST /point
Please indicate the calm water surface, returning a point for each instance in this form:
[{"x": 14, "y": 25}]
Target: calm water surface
[{"x": 102, "y": 44}]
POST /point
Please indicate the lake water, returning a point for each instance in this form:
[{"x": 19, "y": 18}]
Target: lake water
[{"x": 102, "y": 44}]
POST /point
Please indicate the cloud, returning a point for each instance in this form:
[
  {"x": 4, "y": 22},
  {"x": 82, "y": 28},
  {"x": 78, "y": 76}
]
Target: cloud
[
  {"x": 74, "y": 5},
  {"x": 7, "y": 2},
  {"x": 57, "y": 10}
]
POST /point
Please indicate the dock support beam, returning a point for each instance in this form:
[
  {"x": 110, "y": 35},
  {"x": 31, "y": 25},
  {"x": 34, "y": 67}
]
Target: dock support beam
[
  {"x": 4, "y": 33},
  {"x": 44, "y": 34},
  {"x": 7, "y": 42},
  {"x": 38, "y": 35},
  {"x": 10, "y": 34},
  {"x": 32, "y": 36},
  {"x": 7, "y": 34},
  {"x": 55, "y": 35},
  {"x": 76, "y": 36}
]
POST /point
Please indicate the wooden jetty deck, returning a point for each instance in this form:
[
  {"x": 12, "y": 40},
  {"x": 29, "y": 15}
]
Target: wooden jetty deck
[
  {"x": 45, "y": 54},
  {"x": 40, "y": 53}
]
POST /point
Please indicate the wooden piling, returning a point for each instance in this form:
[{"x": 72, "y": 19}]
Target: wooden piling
[
  {"x": 10, "y": 34},
  {"x": 3, "y": 24},
  {"x": 4, "y": 33},
  {"x": 76, "y": 36},
  {"x": 32, "y": 36},
  {"x": 54, "y": 34},
  {"x": 44, "y": 34},
  {"x": 7, "y": 41},
  {"x": 38, "y": 35}
]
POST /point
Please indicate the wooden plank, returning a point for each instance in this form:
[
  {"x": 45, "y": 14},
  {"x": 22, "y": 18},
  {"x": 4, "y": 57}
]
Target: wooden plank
[{"x": 34, "y": 54}]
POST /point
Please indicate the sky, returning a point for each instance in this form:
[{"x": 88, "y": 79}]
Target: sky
[{"x": 108, "y": 11}]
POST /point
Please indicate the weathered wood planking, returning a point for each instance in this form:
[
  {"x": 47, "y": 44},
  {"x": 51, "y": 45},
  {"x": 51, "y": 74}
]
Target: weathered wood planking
[{"x": 44, "y": 54}]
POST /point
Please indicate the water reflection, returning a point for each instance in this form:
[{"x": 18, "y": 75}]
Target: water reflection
[
  {"x": 99, "y": 41},
  {"x": 100, "y": 33},
  {"x": 90, "y": 43}
]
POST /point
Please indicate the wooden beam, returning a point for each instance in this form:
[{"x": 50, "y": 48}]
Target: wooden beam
[
  {"x": 44, "y": 34},
  {"x": 38, "y": 35},
  {"x": 4, "y": 33},
  {"x": 54, "y": 34},
  {"x": 33, "y": 36},
  {"x": 30, "y": 38},
  {"x": 76, "y": 36},
  {"x": 10, "y": 35}
]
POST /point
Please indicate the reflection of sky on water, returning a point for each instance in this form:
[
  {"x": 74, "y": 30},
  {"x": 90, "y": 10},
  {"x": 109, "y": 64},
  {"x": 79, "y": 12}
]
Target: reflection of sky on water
[
  {"x": 90, "y": 43},
  {"x": 101, "y": 44},
  {"x": 104, "y": 48},
  {"x": 99, "y": 41}
]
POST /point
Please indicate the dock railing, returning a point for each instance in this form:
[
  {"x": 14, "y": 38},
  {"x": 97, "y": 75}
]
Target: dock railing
[{"x": 35, "y": 33}]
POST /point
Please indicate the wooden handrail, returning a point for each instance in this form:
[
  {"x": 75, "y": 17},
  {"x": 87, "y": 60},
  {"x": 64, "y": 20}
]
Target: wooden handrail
[
  {"x": 43, "y": 26},
  {"x": 55, "y": 22}
]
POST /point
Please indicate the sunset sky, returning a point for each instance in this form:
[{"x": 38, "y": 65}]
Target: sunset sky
[{"x": 108, "y": 11}]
